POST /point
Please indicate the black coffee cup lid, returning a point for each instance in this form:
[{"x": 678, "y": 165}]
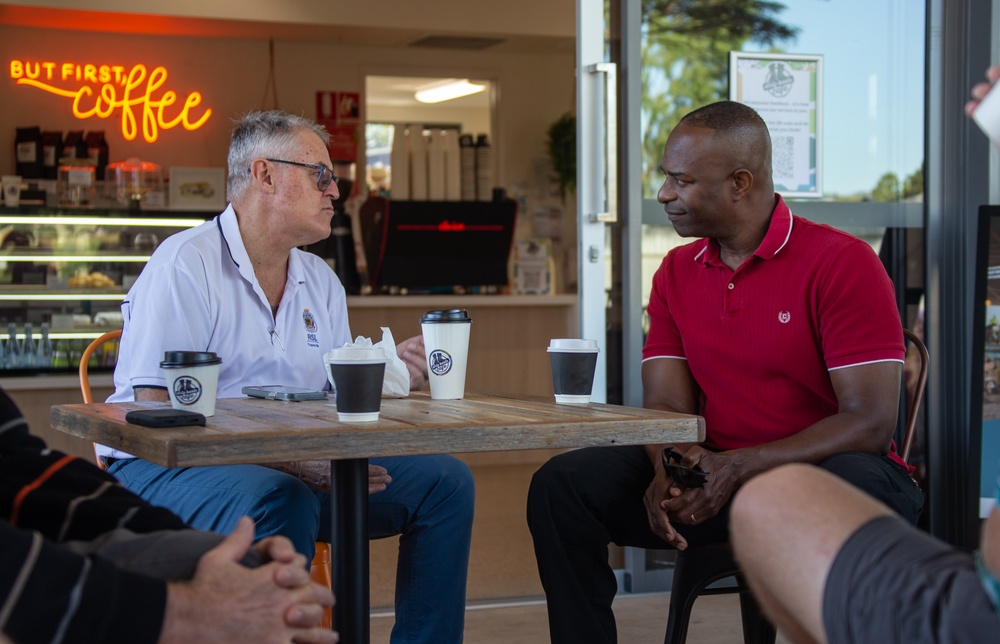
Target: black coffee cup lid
[
  {"x": 189, "y": 359},
  {"x": 446, "y": 315}
]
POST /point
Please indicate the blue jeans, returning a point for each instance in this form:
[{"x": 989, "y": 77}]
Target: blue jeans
[{"x": 429, "y": 503}]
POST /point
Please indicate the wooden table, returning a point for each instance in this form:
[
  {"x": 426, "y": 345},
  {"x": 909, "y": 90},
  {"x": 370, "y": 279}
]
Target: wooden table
[{"x": 251, "y": 430}]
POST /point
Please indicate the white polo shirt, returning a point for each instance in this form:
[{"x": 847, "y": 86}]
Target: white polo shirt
[{"x": 198, "y": 292}]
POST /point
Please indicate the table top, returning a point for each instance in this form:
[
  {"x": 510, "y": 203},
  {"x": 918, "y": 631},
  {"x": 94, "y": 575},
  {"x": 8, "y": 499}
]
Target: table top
[{"x": 252, "y": 430}]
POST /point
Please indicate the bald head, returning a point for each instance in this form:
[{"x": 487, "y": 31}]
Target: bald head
[{"x": 743, "y": 134}]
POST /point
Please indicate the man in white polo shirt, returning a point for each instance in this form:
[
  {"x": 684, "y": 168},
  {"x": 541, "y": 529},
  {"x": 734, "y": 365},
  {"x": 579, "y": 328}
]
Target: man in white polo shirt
[{"x": 240, "y": 287}]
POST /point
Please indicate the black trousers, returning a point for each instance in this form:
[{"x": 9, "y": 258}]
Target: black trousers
[{"x": 581, "y": 501}]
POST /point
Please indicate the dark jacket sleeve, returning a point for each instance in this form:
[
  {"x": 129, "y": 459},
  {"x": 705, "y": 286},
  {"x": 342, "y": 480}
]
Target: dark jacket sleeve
[
  {"x": 64, "y": 497},
  {"x": 49, "y": 594}
]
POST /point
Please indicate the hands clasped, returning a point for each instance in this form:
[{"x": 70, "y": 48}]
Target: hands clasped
[
  {"x": 667, "y": 502},
  {"x": 227, "y": 602}
]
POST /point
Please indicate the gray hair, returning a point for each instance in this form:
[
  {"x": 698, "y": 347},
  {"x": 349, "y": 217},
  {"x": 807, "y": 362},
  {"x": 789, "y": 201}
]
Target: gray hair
[{"x": 263, "y": 134}]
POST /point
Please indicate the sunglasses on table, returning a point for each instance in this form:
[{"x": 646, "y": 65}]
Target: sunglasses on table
[
  {"x": 323, "y": 179},
  {"x": 681, "y": 475}
]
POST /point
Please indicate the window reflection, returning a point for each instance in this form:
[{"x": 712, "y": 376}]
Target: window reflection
[{"x": 873, "y": 109}]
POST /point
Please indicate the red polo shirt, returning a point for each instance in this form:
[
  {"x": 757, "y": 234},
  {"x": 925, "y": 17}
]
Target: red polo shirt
[{"x": 761, "y": 340}]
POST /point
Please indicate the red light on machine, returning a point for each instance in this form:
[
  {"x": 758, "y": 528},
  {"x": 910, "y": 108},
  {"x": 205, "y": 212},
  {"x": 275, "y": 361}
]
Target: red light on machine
[{"x": 106, "y": 88}]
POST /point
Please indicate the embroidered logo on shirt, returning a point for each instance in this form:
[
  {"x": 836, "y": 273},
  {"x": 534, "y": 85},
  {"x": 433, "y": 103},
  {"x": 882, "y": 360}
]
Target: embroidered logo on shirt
[
  {"x": 440, "y": 362},
  {"x": 187, "y": 390},
  {"x": 310, "y": 322},
  {"x": 784, "y": 317}
]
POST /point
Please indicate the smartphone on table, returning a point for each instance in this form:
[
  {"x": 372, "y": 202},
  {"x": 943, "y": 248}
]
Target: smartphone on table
[
  {"x": 164, "y": 417},
  {"x": 283, "y": 392}
]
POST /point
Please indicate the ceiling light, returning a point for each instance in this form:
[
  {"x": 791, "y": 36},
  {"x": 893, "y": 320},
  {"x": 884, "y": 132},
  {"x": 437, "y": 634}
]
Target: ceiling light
[{"x": 447, "y": 90}]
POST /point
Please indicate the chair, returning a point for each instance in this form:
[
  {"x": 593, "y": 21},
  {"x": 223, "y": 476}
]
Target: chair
[
  {"x": 319, "y": 570},
  {"x": 697, "y": 568}
]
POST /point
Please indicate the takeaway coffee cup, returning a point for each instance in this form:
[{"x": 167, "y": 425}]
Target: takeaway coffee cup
[
  {"x": 11, "y": 190},
  {"x": 446, "y": 344},
  {"x": 987, "y": 115},
  {"x": 357, "y": 374},
  {"x": 192, "y": 380},
  {"x": 573, "y": 365}
]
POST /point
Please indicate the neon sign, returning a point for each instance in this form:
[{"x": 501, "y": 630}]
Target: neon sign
[{"x": 105, "y": 88}]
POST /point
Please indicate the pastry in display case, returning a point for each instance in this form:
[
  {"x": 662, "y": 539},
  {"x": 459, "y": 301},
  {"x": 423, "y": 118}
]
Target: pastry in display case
[{"x": 63, "y": 278}]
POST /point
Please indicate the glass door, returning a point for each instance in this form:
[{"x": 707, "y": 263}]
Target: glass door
[{"x": 644, "y": 64}]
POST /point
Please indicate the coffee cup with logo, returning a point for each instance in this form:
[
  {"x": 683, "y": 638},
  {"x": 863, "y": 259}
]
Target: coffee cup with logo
[
  {"x": 192, "y": 380},
  {"x": 446, "y": 345},
  {"x": 11, "y": 185},
  {"x": 573, "y": 365},
  {"x": 357, "y": 374}
]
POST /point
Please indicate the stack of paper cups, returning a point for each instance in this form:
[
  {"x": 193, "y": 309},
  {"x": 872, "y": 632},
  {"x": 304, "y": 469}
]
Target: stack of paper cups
[{"x": 399, "y": 162}]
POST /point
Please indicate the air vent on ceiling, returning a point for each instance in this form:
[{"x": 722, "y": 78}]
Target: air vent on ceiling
[{"x": 456, "y": 42}]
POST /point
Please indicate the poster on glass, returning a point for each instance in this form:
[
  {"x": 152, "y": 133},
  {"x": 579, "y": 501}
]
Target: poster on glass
[{"x": 787, "y": 92}]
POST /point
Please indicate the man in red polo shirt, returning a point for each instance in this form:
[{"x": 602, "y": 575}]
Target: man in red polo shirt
[{"x": 782, "y": 333}]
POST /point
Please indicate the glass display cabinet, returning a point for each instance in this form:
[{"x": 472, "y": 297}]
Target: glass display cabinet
[{"x": 63, "y": 277}]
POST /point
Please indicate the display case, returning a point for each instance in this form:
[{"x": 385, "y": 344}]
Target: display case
[{"x": 63, "y": 276}]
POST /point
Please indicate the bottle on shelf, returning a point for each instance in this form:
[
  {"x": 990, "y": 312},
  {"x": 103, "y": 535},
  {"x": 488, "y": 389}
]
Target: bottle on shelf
[
  {"x": 45, "y": 350},
  {"x": 29, "y": 350},
  {"x": 60, "y": 356},
  {"x": 12, "y": 350},
  {"x": 75, "y": 353}
]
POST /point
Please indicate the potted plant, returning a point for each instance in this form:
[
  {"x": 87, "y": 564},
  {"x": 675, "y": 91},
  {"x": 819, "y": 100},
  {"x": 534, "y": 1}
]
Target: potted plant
[{"x": 561, "y": 145}]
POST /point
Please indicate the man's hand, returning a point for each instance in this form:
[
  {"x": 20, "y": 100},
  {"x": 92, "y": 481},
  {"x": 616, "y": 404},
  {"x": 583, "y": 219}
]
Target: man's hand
[
  {"x": 316, "y": 474},
  {"x": 227, "y": 602},
  {"x": 411, "y": 352},
  {"x": 378, "y": 478},
  {"x": 695, "y": 505},
  {"x": 659, "y": 491},
  {"x": 980, "y": 90}
]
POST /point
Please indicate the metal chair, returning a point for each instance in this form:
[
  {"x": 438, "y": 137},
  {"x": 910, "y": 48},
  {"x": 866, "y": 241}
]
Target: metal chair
[
  {"x": 697, "y": 568},
  {"x": 319, "y": 570}
]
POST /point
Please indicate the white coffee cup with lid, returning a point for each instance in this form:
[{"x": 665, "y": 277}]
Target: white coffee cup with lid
[{"x": 192, "y": 380}]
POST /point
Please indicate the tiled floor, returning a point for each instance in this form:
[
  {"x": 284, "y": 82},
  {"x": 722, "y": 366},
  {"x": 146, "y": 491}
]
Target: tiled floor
[{"x": 641, "y": 619}]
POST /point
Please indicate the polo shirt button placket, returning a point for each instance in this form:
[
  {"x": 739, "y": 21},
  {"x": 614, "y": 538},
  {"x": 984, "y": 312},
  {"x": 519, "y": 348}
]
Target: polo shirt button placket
[{"x": 731, "y": 286}]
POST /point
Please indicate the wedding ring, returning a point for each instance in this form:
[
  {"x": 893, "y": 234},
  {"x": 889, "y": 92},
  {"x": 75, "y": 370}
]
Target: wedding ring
[{"x": 693, "y": 520}]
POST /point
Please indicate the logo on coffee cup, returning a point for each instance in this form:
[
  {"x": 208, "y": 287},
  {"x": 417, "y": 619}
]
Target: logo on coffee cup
[
  {"x": 440, "y": 362},
  {"x": 187, "y": 390}
]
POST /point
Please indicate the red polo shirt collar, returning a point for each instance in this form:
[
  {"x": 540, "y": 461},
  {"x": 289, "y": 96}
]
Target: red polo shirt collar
[{"x": 779, "y": 231}]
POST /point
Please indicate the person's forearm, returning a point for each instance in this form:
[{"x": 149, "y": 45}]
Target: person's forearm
[
  {"x": 842, "y": 432},
  {"x": 315, "y": 474}
]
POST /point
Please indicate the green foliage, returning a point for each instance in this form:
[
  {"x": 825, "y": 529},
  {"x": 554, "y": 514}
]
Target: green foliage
[
  {"x": 561, "y": 145},
  {"x": 685, "y": 61},
  {"x": 913, "y": 185},
  {"x": 887, "y": 188}
]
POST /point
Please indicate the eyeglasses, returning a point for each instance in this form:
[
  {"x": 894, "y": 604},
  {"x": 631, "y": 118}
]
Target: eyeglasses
[
  {"x": 323, "y": 180},
  {"x": 682, "y": 476}
]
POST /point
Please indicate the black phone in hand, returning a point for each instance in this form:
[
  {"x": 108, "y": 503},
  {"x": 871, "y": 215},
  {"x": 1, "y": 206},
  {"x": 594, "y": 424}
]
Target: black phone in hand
[
  {"x": 681, "y": 475},
  {"x": 164, "y": 417}
]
